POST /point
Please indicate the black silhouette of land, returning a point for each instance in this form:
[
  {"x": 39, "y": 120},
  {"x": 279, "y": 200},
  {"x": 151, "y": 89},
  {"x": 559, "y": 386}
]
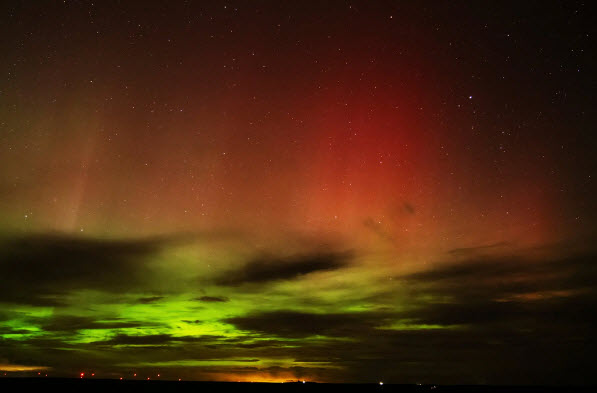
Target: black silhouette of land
[{"x": 112, "y": 385}]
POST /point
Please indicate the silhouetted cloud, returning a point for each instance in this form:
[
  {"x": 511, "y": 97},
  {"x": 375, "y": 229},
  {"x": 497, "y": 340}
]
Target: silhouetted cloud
[
  {"x": 124, "y": 339},
  {"x": 150, "y": 299},
  {"x": 266, "y": 269},
  {"x": 196, "y": 321},
  {"x": 497, "y": 277},
  {"x": 377, "y": 228},
  {"x": 467, "y": 251},
  {"x": 300, "y": 324},
  {"x": 213, "y": 299},
  {"x": 157, "y": 339},
  {"x": 517, "y": 290},
  {"x": 408, "y": 208},
  {"x": 51, "y": 265},
  {"x": 74, "y": 323}
]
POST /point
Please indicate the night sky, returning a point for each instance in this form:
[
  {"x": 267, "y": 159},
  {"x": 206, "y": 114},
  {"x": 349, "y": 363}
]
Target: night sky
[{"x": 335, "y": 191}]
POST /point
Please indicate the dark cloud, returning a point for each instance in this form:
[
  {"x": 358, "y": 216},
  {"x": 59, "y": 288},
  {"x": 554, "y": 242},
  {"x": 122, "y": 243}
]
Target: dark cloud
[
  {"x": 378, "y": 229},
  {"x": 157, "y": 339},
  {"x": 213, "y": 299},
  {"x": 522, "y": 292},
  {"x": 9, "y": 330},
  {"x": 196, "y": 321},
  {"x": 408, "y": 208},
  {"x": 266, "y": 269},
  {"x": 124, "y": 339},
  {"x": 300, "y": 324},
  {"x": 150, "y": 299},
  {"x": 75, "y": 323},
  {"x": 497, "y": 277},
  {"x": 51, "y": 265},
  {"x": 467, "y": 251}
]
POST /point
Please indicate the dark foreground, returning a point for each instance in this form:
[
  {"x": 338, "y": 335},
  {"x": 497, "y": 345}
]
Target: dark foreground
[{"x": 111, "y": 386}]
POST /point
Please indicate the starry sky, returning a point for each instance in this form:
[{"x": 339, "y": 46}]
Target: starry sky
[{"x": 339, "y": 191}]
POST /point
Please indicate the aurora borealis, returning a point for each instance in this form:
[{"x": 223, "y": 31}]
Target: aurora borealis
[{"x": 342, "y": 191}]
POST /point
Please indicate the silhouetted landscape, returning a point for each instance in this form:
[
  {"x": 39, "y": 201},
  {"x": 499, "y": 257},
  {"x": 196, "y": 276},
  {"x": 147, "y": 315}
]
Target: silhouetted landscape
[{"x": 37, "y": 384}]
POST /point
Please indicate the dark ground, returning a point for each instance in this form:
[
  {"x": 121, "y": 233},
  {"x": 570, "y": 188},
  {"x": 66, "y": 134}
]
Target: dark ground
[{"x": 110, "y": 385}]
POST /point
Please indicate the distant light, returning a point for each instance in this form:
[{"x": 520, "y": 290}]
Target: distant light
[
  {"x": 134, "y": 375},
  {"x": 93, "y": 374},
  {"x": 179, "y": 379},
  {"x": 158, "y": 375},
  {"x": 470, "y": 97},
  {"x": 303, "y": 381},
  {"x": 381, "y": 383},
  {"x": 148, "y": 378},
  {"x": 121, "y": 378}
]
